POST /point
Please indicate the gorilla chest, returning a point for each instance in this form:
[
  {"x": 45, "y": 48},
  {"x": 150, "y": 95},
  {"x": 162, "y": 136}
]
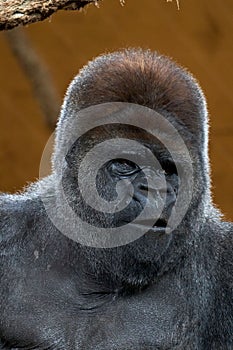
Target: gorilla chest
[
  {"x": 57, "y": 317},
  {"x": 150, "y": 321}
]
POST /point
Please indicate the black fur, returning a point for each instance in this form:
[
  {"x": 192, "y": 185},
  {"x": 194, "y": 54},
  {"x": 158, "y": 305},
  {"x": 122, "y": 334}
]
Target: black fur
[{"x": 172, "y": 293}]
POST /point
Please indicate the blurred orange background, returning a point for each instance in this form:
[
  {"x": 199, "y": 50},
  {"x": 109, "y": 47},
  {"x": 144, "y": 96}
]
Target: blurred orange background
[{"x": 198, "y": 36}]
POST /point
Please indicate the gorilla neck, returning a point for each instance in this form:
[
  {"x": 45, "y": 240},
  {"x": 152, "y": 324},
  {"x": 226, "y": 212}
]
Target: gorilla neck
[
  {"x": 132, "y": 267},
  {"x": 143, "y": 262}
]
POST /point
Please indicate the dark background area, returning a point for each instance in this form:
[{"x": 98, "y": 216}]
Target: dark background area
[{"x": 198, "y": 36}]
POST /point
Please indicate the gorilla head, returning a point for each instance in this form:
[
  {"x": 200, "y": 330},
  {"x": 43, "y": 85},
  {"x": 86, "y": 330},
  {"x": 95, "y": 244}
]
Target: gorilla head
[{"x": 140, "y": 78}]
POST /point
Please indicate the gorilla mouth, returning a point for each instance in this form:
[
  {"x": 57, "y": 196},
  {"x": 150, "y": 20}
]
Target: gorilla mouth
[{"x": 159, "y": 226}]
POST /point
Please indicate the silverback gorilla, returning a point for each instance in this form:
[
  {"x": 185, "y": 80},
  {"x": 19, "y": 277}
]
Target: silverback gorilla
[{"x": 161, "y": 290}]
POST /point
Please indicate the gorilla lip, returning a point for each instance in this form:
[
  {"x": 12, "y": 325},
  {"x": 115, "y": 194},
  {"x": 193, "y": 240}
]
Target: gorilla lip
[
  {"x": 162, "y": 223},
  {"x": 159, "y": 226}
]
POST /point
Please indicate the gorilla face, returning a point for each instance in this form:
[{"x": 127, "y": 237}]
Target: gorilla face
[
  {"x": 124, "y": 171},
  {"x": 119, "y": 169},
  {"x": 138, "y": 182}
]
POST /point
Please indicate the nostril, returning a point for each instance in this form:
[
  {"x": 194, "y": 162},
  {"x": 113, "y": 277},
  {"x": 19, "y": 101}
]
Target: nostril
[{"x": 160, "y": 223}]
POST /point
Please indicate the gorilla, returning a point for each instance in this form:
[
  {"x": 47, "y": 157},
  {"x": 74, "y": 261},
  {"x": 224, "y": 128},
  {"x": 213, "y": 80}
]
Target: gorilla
[{"x": 75, "y": 275}]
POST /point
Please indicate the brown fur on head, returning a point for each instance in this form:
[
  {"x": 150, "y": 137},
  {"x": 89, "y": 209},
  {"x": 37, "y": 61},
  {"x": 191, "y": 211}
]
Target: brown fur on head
[
  {"x": 141, "y": 77},
  {"x": 145, "y": 78}
]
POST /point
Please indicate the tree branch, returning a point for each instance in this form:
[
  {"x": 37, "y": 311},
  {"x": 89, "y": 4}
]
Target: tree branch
[
  {"x": 37, "y": 73},
  {"x": 21, "y": 12}
]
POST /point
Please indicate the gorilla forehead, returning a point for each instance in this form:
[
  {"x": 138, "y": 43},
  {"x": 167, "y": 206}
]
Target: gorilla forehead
[
  {"x": 144, "y": 78},
  {"x": 118, "y": 120},
  {"x": 140, "y": 77}
]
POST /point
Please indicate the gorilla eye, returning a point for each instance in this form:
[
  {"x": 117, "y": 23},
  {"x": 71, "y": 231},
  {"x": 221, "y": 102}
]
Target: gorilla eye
[{"x": 123, "y": 167}]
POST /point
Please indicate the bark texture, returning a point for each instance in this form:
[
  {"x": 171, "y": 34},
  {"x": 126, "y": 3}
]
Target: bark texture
[{"x": 20, "y": 12}]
